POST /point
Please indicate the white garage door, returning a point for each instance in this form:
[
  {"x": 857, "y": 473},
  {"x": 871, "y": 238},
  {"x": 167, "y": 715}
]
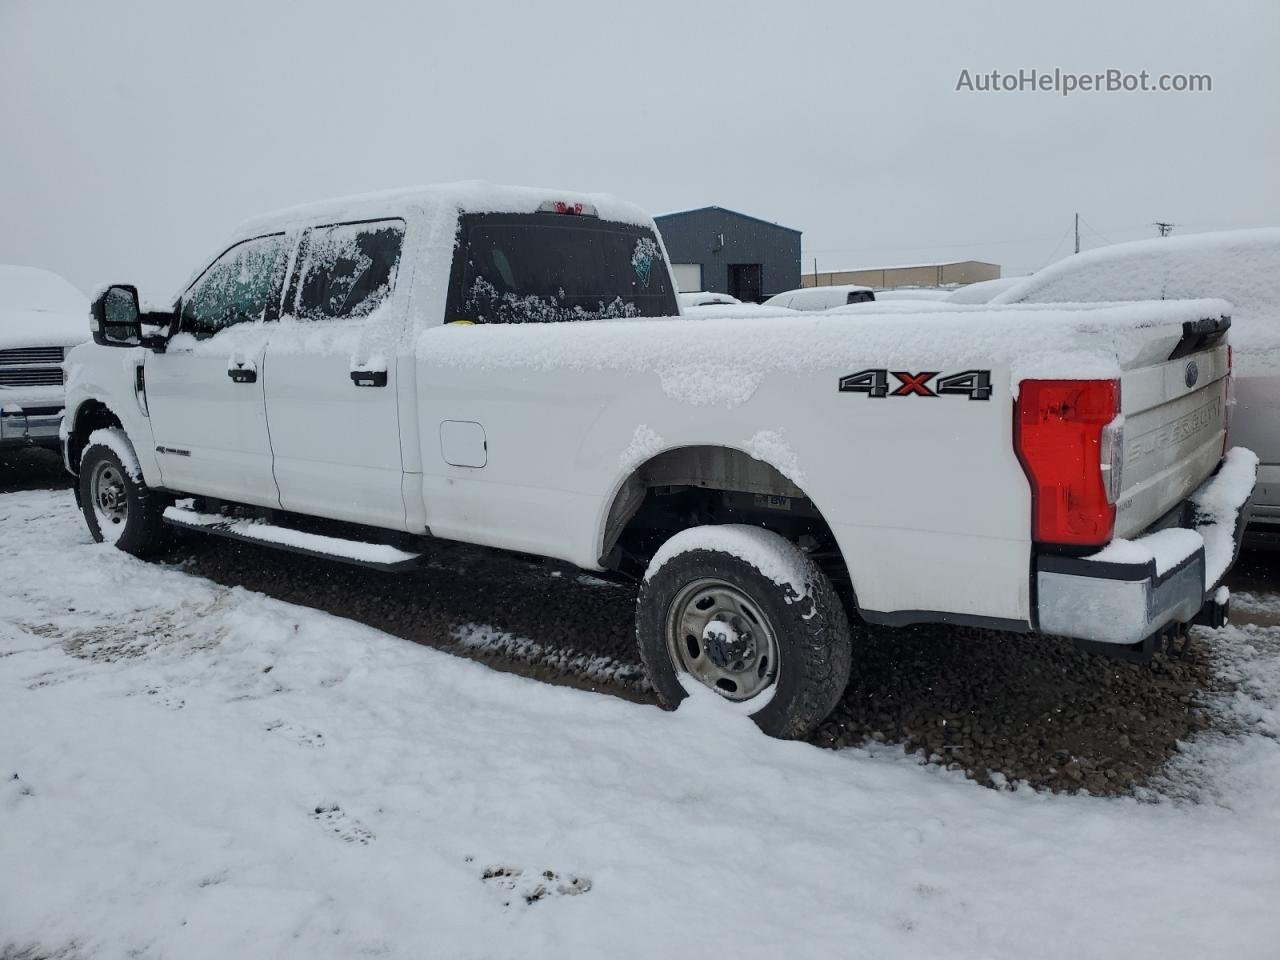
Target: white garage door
[{"x": 688, "y": 276}]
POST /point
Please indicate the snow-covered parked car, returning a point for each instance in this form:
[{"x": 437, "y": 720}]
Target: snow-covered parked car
[
  {"x": 705, "y": 305},
  {"x": 1240, "y": 266},
  {"x": 983, "y": 291},
  {"x": 41, "y": 317},
  {"x": 701, "y": 298},
  {"x": 374, "y": 362},
  {"x": 821, "y": 298},
  {"x": 913, "y": 294}
]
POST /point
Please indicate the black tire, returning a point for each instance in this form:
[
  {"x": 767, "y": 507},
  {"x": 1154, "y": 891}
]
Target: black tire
[
  {"x": 141, "y": 530},
  {"x": 813, "y": 645}
]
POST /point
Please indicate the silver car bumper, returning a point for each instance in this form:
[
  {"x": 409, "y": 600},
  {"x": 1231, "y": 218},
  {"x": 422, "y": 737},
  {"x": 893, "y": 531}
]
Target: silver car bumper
[
  {"x": 31, "y": 425},
  {"x": 1127, "y": 604}
]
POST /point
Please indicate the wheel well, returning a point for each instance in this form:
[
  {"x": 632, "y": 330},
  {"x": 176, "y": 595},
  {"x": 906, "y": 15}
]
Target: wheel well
[
  {"x": 692, "y": 486},
  {"x": 90, "y": 416}
]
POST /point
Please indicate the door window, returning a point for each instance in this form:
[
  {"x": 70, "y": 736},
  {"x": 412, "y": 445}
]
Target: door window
[
  {"x": 235, "y": 288},
  {"x": 349, "y": 269}
]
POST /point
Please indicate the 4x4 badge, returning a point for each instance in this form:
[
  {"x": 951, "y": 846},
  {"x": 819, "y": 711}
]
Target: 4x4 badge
[{"x": 974, "y": 384}]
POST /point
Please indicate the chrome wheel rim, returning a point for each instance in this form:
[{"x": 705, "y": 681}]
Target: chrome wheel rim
[
  {"x": 110, "y": 499},
  {"x": 721, "y": 637}
]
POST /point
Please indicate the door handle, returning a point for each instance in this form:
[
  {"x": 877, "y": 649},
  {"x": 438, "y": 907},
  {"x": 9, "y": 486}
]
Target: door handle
[
  {"x": 243, "y": 375},
  {"x": 369, "y": 378}
]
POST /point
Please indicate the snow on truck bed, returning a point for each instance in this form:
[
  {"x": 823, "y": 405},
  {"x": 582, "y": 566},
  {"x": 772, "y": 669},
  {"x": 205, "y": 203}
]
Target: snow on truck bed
[
  {"x": 721, "y": 361},
  {"x": 197, "y": 771}
]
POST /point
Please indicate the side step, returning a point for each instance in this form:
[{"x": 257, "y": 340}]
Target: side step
[{"x": 377, "y": 556}]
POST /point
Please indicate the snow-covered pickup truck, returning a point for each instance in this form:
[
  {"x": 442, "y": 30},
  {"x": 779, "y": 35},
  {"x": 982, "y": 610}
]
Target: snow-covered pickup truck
[
  {"x": 350, "y": 379},
  {"x": 42, "y": 316}
]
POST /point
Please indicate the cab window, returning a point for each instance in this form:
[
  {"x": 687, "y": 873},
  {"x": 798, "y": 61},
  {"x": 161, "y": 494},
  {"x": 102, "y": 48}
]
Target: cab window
[
  {"x": 236, "y": 287},
  {"x": 349, "y": 269}
]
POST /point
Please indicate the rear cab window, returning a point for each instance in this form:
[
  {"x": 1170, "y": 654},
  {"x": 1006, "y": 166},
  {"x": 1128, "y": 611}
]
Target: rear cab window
[{"x": 553, "y": 267}]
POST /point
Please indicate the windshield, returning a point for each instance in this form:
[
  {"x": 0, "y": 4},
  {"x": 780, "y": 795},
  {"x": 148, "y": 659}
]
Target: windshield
[{"x": 547, "y": 267}]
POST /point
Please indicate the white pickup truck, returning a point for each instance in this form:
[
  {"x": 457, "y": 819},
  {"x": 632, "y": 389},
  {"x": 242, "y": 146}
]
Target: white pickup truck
[{"x": 350, "y": 379}]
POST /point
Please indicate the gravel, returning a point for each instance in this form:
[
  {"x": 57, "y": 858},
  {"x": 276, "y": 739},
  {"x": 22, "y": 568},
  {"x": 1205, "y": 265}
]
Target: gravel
[
  {"x": 1001, "y": 707},
  {"x": 32, "y": 468}
]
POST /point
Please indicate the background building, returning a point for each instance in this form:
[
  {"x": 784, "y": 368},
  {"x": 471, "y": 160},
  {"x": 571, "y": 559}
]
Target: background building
[
  {"x": 914, "y": 275},
  {"x": 723, "y": 251}
]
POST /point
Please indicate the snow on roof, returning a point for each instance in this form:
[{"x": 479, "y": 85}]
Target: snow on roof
[
  {"x": 463, "y": 196},
  {"x": 1240, "y": 266},
  {"x": 466, "y": 196},
  {"x": 39, "y": 308}
]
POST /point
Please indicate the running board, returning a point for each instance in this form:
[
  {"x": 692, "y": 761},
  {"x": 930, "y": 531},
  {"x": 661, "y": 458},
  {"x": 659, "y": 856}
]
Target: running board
[{"x": 378, "y": 556}]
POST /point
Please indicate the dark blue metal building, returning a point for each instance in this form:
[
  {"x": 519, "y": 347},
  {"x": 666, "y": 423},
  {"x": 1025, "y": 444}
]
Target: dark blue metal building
[{"x": 723, "y": 251}]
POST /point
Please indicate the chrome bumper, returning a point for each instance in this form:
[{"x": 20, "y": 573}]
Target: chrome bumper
[
  {"x": 19, "y": 427},
  {"x": 1129, "y": 603}
]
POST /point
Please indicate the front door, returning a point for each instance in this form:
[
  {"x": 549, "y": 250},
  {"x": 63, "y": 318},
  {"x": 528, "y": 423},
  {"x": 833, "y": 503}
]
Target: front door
[
  {"x": 331, "y": 379},
  {"x": 205, "y": 392},
  {"x": 746, "y": 282}
]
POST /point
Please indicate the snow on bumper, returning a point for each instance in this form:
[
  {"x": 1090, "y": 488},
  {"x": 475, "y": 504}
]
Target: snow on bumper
[{"x": 1133, "y": 589}]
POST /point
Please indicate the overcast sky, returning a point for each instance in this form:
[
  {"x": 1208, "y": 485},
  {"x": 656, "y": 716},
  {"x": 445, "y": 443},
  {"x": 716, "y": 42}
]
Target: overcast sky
[{"x": 134, "y": 136}]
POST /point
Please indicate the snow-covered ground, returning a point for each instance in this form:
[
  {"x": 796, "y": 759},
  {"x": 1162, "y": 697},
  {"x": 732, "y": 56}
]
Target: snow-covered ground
[{"x": 189, "y": 770}]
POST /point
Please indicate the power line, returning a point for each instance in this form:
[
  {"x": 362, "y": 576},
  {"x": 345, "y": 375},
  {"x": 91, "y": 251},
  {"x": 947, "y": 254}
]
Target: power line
[
  {"x": 1164, "y": 227},
  {"x": 1096, "y": 232},
  {"x": 1065, "y": 233}
]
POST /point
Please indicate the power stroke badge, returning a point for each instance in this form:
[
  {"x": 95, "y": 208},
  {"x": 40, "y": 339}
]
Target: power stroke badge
[{"x": 974, "y": 384}]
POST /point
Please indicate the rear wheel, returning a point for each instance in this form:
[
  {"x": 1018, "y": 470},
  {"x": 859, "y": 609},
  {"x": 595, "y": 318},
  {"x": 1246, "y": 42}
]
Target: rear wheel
[
  {"x": 118, "y": 508},
  {"x": 709, "y": 614}
]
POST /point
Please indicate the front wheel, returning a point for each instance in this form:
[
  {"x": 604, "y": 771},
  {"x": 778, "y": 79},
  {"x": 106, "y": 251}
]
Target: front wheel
[
  {"x": 745, "y": 613},
  {"x": 118, "y": 507}
]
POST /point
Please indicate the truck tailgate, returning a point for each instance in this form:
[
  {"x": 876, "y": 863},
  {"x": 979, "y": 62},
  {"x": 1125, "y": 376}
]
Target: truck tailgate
[{"x": 1175, "y": 417}]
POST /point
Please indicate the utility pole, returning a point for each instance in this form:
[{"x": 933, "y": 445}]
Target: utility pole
[
  {"x": 1164, "y": 228},
  {"x": 815, "y": 271},
  {"x": 1077, "y": 233}
]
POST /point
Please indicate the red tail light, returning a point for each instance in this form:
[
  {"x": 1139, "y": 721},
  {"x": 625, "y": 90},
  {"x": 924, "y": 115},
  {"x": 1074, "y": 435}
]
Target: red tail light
[{"x": 1059, "y": 428}]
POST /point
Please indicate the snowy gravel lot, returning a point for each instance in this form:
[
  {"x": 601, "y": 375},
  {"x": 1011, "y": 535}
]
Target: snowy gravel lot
[{"x": 190, "y": 768}]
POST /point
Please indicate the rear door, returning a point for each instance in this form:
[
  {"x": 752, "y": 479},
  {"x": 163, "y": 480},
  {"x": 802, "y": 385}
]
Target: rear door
[
  {"x": 204, "y": 393},
  {"x": 331, "y": 379}
]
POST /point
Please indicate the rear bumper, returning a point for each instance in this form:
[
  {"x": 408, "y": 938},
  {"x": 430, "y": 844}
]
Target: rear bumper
[
  {"x": 1134, "y": 590},
  {"x": 1265, "y": 513},
  {"x": 31, "y": 425}
]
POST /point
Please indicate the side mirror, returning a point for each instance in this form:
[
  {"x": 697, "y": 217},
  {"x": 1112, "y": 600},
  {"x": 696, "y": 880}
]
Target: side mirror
[{"x": 115, "y": 317}]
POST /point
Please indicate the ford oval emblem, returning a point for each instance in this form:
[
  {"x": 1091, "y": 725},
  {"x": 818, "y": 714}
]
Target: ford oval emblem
[{"x": 1193, "y": 374}]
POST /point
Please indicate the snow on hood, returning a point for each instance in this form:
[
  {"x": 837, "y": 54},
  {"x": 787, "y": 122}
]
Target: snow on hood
[
  {"x": 688, "y": 354},
  {"x": 38, "y": 308},
  {"x": 1240, "y": 266}
]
